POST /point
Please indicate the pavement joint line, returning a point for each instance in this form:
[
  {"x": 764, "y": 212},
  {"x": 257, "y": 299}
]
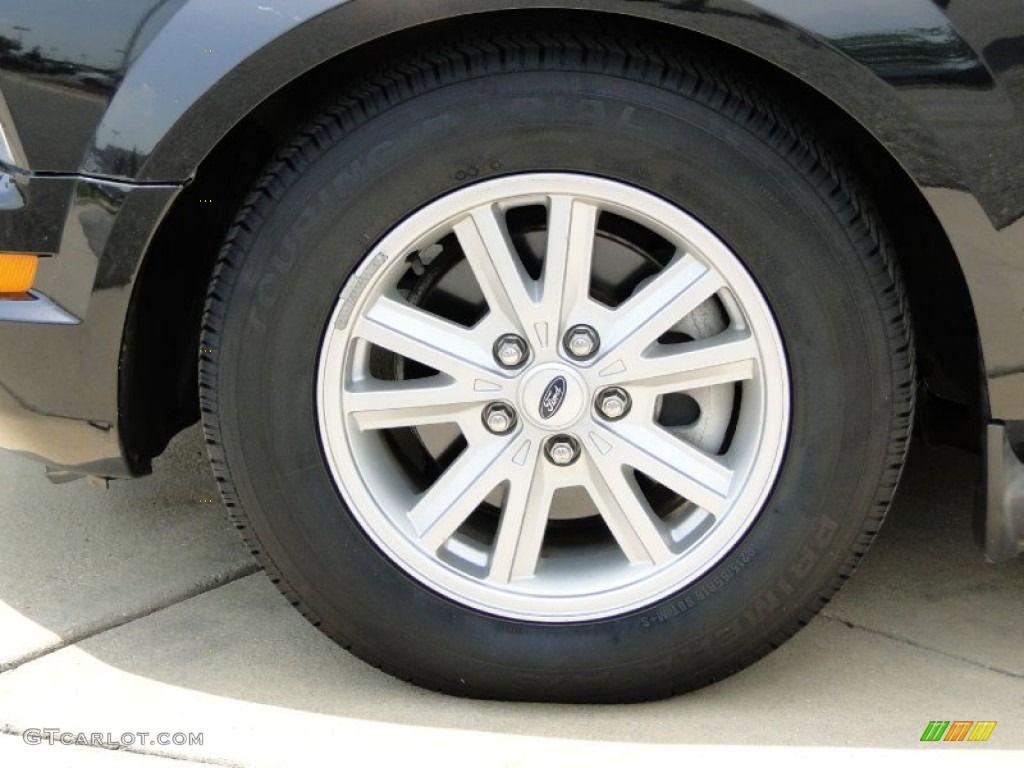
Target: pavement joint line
[
  {"x": 921, "y": 646},
  {"x": 6, "y": 729},
  {"x": 227, "y": 576}
]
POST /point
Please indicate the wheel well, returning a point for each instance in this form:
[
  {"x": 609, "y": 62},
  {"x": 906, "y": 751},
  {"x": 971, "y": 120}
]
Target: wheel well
[{"x": 158, "y": 390}]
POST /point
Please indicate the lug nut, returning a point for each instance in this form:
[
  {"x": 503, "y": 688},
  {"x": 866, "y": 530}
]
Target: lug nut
[
  {"x": 581, "y": 342},
  {"x": 499, "y": 418},
  {"x": 613, "y": 403},
  {"x": 510, "y": 351},
  {"x": 562, "y": 450}
]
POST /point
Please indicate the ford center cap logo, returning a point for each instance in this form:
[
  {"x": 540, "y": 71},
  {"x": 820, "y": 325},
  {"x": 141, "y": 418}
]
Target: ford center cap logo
[{"x": 553, "y": 397}]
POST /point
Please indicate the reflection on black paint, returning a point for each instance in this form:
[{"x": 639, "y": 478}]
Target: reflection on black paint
[
  {"x": 921, "y": 56},
  {"x": 115, "y": 160},
  {"x": 11, "y": 198},
  {"x": 57, "y": 71},
  {"x": 61, "y": 61}
]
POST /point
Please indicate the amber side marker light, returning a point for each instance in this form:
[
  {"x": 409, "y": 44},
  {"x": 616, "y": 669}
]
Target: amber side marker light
[{"x": 17, "y": 272}]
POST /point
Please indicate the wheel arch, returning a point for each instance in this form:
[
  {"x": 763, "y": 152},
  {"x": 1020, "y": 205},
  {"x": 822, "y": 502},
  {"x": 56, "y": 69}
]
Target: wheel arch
[{"x": 157, "y": 391}]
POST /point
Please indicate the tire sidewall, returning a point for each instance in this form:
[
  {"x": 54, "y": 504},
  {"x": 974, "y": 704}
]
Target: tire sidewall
[{"x": 756, "y": 198}]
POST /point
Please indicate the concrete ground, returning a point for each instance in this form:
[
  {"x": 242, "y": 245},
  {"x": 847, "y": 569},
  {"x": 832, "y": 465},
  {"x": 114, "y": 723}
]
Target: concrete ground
[{"x": 137, "y": 610}]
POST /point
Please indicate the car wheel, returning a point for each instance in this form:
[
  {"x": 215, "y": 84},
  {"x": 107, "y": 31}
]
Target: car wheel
[{"x": 559, "y": 368}]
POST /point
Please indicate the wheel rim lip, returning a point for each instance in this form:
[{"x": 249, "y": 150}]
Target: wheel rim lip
[{"x": 511, "y": 600}]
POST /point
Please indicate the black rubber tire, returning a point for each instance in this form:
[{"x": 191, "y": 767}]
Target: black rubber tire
[{"x": 627, "y": 110}]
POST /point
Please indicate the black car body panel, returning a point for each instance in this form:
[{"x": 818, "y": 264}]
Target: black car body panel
[{"x": 111, "y": 107}]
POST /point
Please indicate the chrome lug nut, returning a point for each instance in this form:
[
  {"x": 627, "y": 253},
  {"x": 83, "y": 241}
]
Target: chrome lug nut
[
  {"x": 499, "y": 418},
  {"x": 613, "y": 403},
  {"x": 562, "y": 450},
  {"x": 581, "y": 342},
  {"x": 510, "y": 351}
]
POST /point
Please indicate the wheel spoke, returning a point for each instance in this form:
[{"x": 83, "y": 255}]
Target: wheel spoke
[
  {"x": 428, "y": 339},
  {"x": 447, "y": 504},
  {"x": 507, "y": 288},
  {"x": 551, "y": 389},
  {"x": 524, "y": 520},
  {"x": 627, "y": 514},
  {"x": 676, "y": 464},
  {"x": 723, "y": 359},
  {"x": 565, "y": 283},
  {"x": 673, "y": 294},
  {"x": 376, "y": 404}
]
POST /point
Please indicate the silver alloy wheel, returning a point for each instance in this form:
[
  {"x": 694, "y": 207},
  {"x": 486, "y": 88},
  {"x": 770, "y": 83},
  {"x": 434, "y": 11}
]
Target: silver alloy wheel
[{"x": 650, "y": 504}]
